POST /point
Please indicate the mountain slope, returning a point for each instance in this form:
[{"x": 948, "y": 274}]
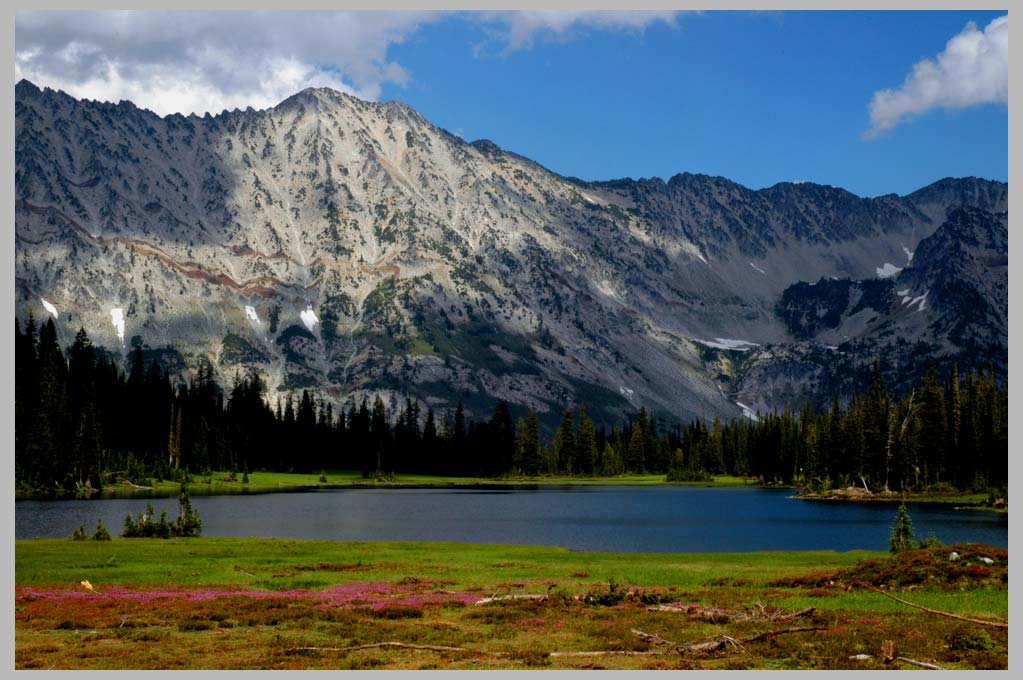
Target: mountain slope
[{"x": 353, "y": 248}]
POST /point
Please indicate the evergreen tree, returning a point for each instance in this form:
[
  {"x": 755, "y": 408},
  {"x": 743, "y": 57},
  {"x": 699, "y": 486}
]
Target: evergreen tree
[
  {"x": 532, "y": 460},
  {"x": 380, "y": 433},
  {"x": 586, "y": 446},
  {"x": 501, "y": 433},
  {"x": 564, "y": 442},
  {"x": 901, "y": 537},
  {"x": 960, "y": 469},
  {"x": 635, "y": 452},
  {"x": 932, "y": 428},
  {"x": 430, "y": 447}
]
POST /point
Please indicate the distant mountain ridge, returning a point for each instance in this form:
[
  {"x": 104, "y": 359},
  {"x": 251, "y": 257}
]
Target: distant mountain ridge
[{"x": 353, "y": 248}]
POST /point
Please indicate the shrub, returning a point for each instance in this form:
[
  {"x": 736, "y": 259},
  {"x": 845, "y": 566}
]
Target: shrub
[
  {"x": 685, "y": 474},
  {"x": 970, "y": 639},
  {"x": 931, "y": 541},
  {"x": 245, "y": 478},
  {"x": 187, "y": 523},
  {"x": 79, "y": 534},
  {"x": 101, "y": 533},
  {"x": 323, "y": 476}
]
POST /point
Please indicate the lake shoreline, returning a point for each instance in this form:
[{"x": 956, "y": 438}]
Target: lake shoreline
[
  {"x": 284, "y": 482},
  {"x": 958, "y": 501}
]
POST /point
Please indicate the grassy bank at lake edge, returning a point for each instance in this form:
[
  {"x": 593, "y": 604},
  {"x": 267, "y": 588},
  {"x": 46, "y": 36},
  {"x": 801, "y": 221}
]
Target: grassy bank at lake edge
[
  {"x": 959, "y": 500},
  {"x": 219, "y": 483}
]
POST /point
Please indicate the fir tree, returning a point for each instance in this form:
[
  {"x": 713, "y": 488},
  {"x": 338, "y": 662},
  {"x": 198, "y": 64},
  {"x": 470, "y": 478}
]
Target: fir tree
[{"x": 901, "y": 537}]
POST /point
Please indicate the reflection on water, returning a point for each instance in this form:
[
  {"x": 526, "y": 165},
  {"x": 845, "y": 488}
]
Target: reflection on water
[{"x": 607, "y": 518}]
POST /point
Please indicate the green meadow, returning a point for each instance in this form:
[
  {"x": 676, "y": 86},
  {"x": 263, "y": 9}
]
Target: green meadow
[{"x": 279, "y": 603}]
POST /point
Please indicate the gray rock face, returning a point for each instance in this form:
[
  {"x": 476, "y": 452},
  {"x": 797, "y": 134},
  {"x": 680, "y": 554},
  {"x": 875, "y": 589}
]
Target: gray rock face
[{"x": 353, "y": 248}]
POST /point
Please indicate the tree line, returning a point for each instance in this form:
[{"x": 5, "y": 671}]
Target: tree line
[{"x": 81, "y": 421}]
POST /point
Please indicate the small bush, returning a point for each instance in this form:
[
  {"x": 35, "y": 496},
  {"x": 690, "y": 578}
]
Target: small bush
[
  {"x": 101, "y": 533},
  {"x": 614, "y": 595},
  {"x": 970, "y": 639},
  {"x": 187, "y": 523},
  {"x": 245, "y": 478},
  {"x": 79, "y": 533},
  {"x": 685, "y": 474},
  {"x": 398, "y": 611},
  {"x": 323, "y": 476}
]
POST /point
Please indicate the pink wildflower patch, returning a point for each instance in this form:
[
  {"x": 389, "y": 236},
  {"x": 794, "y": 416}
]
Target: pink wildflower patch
[{"x": 375, "y": 594}]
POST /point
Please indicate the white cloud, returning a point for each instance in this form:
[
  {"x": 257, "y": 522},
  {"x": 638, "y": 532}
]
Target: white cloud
[
  {"x": 519, "y": 29},
  {"x": 199, "y": 61},
  {"x": 973, "y": 69},
  {"x": 178, "y": 61}
]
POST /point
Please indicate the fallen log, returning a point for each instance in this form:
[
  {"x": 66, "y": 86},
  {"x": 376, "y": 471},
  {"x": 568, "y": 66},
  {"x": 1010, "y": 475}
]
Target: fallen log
[
  {"x": 402, "y": 645},
  {"x": 960, "y": 617},
  {"x": 717, "y": 643},
  {"x": 921, "y": 664},
  {"x": 513, "y": 596},
  {"x": 717, "y": 615},
  {"x": 608, "y": 652}
]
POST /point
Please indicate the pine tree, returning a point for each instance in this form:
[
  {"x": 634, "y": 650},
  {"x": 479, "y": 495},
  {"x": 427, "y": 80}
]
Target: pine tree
[
  {"x": 430, "y": 443},
  {"x": 932, "y": 427},
  {"x": 501, "y": 433},
  {"x": 959, "y": 468},
  {"x": 586, "y": 446},
  {"x": 532, "y": 459},
  {"x": 901, "y": 537},
  {"x": 564, "y": 442},
  {"x": 635, "y": 455},
  {"x": 380, "y": 432}
]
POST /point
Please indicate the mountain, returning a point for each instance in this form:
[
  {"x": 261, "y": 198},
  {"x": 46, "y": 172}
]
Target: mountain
[
  {"x": 352, "y": 248},
  {"x": 948, "y": 306}
]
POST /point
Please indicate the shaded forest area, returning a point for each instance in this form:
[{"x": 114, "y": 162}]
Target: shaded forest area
[{"x": 82, "y": 422}]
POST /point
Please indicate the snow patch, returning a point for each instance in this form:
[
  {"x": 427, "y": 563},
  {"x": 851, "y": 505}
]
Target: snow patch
[
  {"x": 728, "y": 343},
  {"x": 904, "y": 291},
  {"x": 250, "y": 313},
  {"x": 117, "y": 316},
  {"x": 748, "y": 412},
  {"x": 626, "y": 392},
  {"x": 693, "y": 250},
  {"x": 309, "y": 318},
  {"x": 833, "y": 348},
  {"x": 49, "y": 307},
  {"x": 909, "y": 253},
  {"x": 922, "y": 299},
  {"x": 758, "y": 268},
  {"x": 887, "y": 271}
]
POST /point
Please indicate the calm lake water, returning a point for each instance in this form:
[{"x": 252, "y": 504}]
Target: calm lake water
[{"x": 605, "y": 518}]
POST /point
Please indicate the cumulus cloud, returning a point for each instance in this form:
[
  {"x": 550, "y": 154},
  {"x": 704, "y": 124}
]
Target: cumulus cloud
[
  {"x": 194, "y": 62},
  {"x": 973, "y": 69},
  {"x": 208, "y": 61}
]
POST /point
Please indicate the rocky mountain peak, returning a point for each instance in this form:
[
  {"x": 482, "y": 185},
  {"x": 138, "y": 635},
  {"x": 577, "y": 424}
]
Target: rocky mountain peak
[{"x": 354, "y": 249}]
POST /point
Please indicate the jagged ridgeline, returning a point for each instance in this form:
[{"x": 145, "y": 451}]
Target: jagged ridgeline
[{"x": 353, "y": 250}]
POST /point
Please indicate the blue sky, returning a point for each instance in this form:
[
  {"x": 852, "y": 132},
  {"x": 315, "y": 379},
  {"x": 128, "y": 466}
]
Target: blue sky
[{"x": 758, "y": 97}]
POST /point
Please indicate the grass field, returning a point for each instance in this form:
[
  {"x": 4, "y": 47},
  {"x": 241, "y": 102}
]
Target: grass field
[{"x": 272, "y": 603}]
